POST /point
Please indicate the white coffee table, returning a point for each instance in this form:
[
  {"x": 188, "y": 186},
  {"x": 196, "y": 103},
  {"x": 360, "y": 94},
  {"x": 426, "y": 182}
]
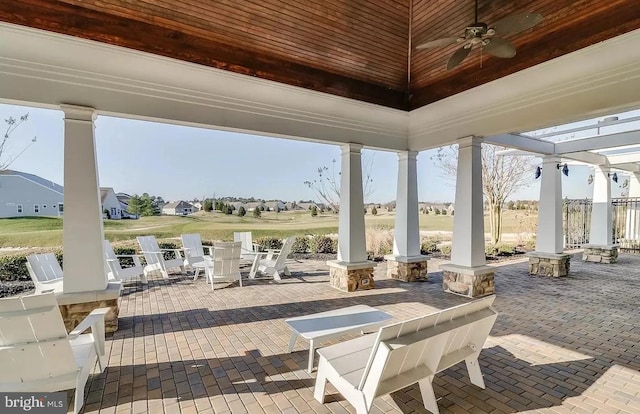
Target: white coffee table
[{"x": 326, "y": 325}]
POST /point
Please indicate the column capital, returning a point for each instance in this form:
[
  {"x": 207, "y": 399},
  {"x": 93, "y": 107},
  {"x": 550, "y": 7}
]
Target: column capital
[
  {"x": 78, "y": 113},
  {"x": 603, "y": 168},
  {"x": 549, "y": 159},
  {"x": 407, "y": 155},
  {"x": 469, "y": 141},
  {"x": 352, "y": 148}
]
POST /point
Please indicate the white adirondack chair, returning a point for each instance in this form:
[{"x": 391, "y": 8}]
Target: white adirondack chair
[
  {"x": 404, "y": 353},
  {"x": 248, "y": 247},
  {"x": 45, "y": 271},
  {"x": 116, "y": 272},
  {"x": 154, "y": 257},
  {"x": 224, "y": 265},
  {"x": 273, "y": 262},
  {"x": 37, "y": 355},
  {"x": 194, "y": 252}
]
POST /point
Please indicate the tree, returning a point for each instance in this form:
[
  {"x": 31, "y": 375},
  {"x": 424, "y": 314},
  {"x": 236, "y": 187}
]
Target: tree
[
  {"x": 146, "y": 205},
  {"x": 134, "y": 205},
  {"x": 256, "y": 212},
  {"x": 374, "y": 210},
  {"x": 12, "y": 125},
  {"x": 208, "y": 205},
  {"x": 326, "y": 185},
  {"x": 242, "y": 211},
  {"x": 314, "y": 211},
  {"x": 511, "y": 205},
  {"x": 502, "y": 177}
]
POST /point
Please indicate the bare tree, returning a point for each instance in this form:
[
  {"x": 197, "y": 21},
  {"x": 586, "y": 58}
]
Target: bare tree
[
  {"x": 326, "y": 186},
  {"x": 502, "y": 176},
  {"x": 12, "y": 125}
]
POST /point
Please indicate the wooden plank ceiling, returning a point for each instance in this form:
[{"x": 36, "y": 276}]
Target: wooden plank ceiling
[{"x": 361, "y": 49}]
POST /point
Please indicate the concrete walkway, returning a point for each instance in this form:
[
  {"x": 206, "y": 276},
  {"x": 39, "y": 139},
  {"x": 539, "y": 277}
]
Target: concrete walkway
[{"x": 568, "y": 345}]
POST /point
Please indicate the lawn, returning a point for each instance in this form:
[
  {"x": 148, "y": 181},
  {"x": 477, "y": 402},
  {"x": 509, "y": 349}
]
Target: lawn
[{"x": 46, "y": 232}]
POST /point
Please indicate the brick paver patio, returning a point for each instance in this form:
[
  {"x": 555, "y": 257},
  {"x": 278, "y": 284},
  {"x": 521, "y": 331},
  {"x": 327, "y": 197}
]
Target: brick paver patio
[{"x": 558, "y": 346}]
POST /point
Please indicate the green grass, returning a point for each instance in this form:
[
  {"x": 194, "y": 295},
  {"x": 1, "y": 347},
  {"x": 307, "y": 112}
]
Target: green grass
[{"x": 47, "y": 232}]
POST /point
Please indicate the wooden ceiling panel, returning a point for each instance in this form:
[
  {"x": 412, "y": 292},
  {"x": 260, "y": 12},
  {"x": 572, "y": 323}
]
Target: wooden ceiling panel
[{"x": 360, "y": 49}]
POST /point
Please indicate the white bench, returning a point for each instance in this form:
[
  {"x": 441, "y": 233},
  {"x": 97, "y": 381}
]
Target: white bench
[{"x": 407, "y": 352}]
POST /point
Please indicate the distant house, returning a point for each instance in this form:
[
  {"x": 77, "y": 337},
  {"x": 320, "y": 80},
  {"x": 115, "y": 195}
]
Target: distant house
[
  {"x": 255, "y": 204},
  {"x": 292, "y": 206},
  {"x": 308, "y": 206},
  {"x": 236, "y": 205},
  {"x": 178, "y": 208},
  {"x": 276, "y": 205},
  {"x": 199, "y": 205},
  {"x": 111, "y": 206},
  {"x": 23, "y": 195}
]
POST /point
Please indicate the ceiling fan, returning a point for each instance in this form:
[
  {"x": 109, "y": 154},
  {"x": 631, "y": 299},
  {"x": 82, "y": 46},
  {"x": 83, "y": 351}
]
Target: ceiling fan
[{"x": 483, "y": 35}]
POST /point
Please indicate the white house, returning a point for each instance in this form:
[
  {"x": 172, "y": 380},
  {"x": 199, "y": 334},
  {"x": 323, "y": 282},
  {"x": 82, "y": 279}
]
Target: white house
[
  {"x": 23, "y": 195},
  {"x": 178, "y": 208},
  {"x": 111, "y": 207}
]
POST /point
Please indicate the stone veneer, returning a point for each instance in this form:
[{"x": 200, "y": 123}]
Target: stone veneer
[
  {"x": 74, "y": 313},
  {"x": 472, "y": 282},
  {"x": 406, "y": 271},
  {"x": 351, "y": 277},
  {"x": 549, "y": 264},
  {"x": 600, "y": 254}
]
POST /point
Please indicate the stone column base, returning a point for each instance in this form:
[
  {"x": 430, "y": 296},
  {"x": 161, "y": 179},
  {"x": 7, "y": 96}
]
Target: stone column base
[
  {"x": 549, "y": 264},
  {"x": 407, "y": 269},
  {"x": 74, "y": 307},
  {"x": 471, "y": 282},
  {"x": 350, "y": 277},
  {"x": 600, "y": 253}
]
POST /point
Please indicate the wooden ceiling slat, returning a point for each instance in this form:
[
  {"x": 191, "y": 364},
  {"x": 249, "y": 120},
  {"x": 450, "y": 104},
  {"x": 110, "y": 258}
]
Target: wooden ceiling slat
[
  {"x": 370, "y": 66},
  {"x": 353, "y": 48}
]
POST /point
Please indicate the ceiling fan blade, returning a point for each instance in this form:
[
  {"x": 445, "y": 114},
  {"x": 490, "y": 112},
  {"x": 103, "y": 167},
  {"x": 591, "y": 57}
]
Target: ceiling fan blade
[
  {"x": 516, "y": 23},
  {"x": 457, "y": 57},
  {"x": 438, "y": 43},
  {"x": 501, "y": 48}
]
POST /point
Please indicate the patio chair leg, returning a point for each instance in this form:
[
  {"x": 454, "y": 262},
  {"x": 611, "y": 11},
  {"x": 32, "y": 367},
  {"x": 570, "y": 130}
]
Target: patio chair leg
[
  {"x": 475, "y": 375},
  {"x": 428, "y": 396},
  {"x": 196, "y": 272}
]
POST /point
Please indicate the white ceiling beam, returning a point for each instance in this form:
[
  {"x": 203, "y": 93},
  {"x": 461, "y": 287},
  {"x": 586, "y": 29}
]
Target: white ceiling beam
[
  {"x": 586, "y": 157},
  {"x": 522, "y": 143},
  {"x": 601, "y": 142},
  {"x": 624, "y": 158}
]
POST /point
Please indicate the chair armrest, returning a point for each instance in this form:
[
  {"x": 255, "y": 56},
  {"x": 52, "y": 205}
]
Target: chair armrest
[
  {"x": 176, "y": 252},
  {"x": 95, "y": 321}
]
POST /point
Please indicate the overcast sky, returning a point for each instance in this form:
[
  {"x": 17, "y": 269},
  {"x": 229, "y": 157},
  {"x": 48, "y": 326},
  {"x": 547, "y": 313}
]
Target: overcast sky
[{"x": 178, "y": 162}]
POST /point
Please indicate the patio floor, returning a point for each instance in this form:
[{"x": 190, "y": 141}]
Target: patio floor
[{"x": 558, "y": 346}]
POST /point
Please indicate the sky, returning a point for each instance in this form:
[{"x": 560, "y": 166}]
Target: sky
[{"x": 179, "y": 162}]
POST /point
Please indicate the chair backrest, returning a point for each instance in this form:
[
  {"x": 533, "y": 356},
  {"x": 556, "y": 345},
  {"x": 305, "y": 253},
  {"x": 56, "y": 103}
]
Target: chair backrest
[
  {"x": 44, "y": 267},
  {"x": 33, "y": 341},
  {"x": 226, "y": 258},
  {"x": 426, "y": 345},
  {"x": 287, "y": 244},
  {"x": 192, "y": 244},
  {"x": 111, "y": 261},
  {"x": 149, "y": 244},
  {"x": 246, "y": 239}
]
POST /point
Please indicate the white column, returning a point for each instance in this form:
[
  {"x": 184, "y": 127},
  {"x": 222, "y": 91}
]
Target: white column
[
  {"x": 406, "y": 242},
  {"x": 601, "y": 226},
  {"x": 82, "y": 224},
  {"x": 351, "y": 234},
  {"x": 633, "y": 208},
  {"x": 468, "y": 222},
  {"x": 549, "y": 235}
]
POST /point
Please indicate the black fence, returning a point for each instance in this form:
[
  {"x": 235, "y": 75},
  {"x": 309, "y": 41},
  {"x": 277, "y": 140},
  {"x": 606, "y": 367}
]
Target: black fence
[{"x": 625, "y": 216}]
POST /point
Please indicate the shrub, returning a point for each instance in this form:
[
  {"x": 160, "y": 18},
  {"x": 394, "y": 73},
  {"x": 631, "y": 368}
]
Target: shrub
[
  {"x": 256, "y": 212},
  {"x": 321, "y": 244},
  {"x": 334, "y": 245},
  {"x": 429, "y": 245},
  {"x": 168, "y": 245},
  {"x": 242, "y": 211},
  {"x": 445, "y": 250},
  {"x": 125, "y": 261},
  {"x": 506, "y": 249},
  {"x": 314, "y": 211},
  {"x": 14, "y": 267},
  {"x": 266, "y": 243},
  {"x": 436, "y": 211},
  {"x": 300, "y": 245},
  {"x": 374, "y": 211},
  {"x": 379, "y": 241}
]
